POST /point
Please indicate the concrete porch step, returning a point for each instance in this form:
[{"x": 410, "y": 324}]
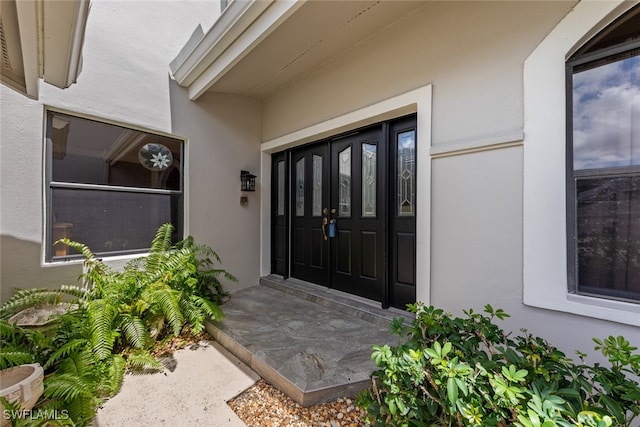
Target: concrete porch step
[{"x": 310, "y": 342}]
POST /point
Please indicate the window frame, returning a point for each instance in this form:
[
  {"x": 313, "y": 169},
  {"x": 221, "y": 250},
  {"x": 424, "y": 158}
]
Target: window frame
[
  {"x": 50, "y": 185},
  {"x": 545, "y": 278},
  {"x": 576, "y": 61}
]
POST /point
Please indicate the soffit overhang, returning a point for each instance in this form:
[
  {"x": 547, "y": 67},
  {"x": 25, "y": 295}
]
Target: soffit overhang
[
  {"x": 41, "y": 40},
  {"x": 257, "y": 47}
]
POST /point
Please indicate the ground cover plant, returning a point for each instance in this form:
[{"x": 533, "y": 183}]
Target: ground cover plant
[
  {"x": 468, "y": 371},
  {"x": 116, "y": 320}
]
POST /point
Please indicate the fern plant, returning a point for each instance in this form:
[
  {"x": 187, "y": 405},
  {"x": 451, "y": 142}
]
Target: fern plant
[
  {"x": 25, "y": 298},
  {"x": 16, "y": 345},
  {"x": 117, "y": 317},
  {"x": 171, "y": 287},
  {"x": 75, "y": 380}
]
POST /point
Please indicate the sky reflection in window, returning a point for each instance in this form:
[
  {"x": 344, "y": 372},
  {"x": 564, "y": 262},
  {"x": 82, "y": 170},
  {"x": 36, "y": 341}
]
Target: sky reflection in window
[{"x": 606, "y": 115}]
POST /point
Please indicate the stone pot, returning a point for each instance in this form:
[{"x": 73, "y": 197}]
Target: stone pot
[
  {"x": 22, "y": 384},
  {"x": 41, "y": 316}
]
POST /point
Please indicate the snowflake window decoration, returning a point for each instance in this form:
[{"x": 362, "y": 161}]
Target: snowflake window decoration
[{"x": 155, "y": 157}]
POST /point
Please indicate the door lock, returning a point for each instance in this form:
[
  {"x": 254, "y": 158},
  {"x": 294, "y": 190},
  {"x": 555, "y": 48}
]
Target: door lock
[
  {"x": 332, "y": 228},
  {"x": 331, "y": 222}
]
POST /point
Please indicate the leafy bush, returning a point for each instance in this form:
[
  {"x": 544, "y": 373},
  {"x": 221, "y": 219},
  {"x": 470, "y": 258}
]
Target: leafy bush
[
  {"x": 468, "y": 371},
  {"x": 118, "y": 317}
]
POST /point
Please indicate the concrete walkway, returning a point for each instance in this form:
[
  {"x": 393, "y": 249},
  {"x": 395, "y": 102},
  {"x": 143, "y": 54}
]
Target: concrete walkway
[{"x": 203, "y": 378}]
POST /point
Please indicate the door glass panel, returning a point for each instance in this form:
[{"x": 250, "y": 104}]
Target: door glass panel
[
  {"x": 406, "y": 145},
  {"x": 280, "y": 188},
  {"x": 344, "y": 170},
  {"x": 369, "y": 161},
  {"x": 300, "y": 187},
  {"x": 316, "y": 208}
]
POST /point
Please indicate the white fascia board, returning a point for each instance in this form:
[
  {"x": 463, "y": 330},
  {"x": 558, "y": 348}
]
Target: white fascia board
[
  {"x": 77, "y": 42},
  {"x": 29, "y": 14},
  {"x": 231, "y": 38},
  {"x": 270, "y": 19},
  {"x": 64, "y": 27},
  {"x": 234, "y": 20}
]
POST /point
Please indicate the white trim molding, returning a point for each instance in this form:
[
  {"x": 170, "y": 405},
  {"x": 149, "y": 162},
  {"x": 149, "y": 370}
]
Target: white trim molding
[
  {"x": 415, "y": 101},
  {"x": 545, "y": 228},
  {"x": 492, "y": 142}
]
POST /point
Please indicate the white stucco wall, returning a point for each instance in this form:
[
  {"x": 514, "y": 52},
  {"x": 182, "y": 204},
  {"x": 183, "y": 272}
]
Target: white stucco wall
[
  {"x": 477, "y": 240},
  {"x": 473, "y": 55},
  {"x": 472, "y": 52},
  {"x": 125, "y": 80},
  {"x": 224, "y": 138}
]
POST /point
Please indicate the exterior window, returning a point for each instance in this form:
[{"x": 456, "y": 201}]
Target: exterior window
[
  {"x": 109, "y": 187},
  {"x": 604, "y": 163}
]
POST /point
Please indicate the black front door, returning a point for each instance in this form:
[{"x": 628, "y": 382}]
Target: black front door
[
  {"x": 358, "y": 207},
  {"x": 350, "y": 222},
  {"x": 309, "y": 222}
]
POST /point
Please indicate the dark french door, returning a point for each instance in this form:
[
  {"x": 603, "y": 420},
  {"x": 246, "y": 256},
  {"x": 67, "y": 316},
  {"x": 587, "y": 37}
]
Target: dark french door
[
  {"x": 358, "y": 207},
  {"x": 309, "y": 214},
  {"x": 344, "y": 212}
]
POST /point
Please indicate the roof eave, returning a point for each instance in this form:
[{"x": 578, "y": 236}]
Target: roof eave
[
  {"x": 241, "y": 27},
  {"x": 46, "y": 38},
  {"x": 64, "y": 29}
]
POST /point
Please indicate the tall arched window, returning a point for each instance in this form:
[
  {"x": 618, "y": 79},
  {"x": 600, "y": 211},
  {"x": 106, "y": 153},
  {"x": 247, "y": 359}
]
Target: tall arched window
[{"x": 603, "y": 162}]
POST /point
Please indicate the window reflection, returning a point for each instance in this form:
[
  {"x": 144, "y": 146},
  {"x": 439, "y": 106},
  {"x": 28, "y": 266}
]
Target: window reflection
[
  {"x": 89, "y": 152},
  {"x": 606, "y": 115}
]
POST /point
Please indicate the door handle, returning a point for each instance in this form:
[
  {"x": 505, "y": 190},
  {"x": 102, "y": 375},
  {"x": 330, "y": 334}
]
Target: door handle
[{"x": 325, "y": 221}]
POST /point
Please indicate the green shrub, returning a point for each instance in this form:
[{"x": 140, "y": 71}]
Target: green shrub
[
  {"x": 468, "y": 371},
  {"x": 118, "y": 317}
]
